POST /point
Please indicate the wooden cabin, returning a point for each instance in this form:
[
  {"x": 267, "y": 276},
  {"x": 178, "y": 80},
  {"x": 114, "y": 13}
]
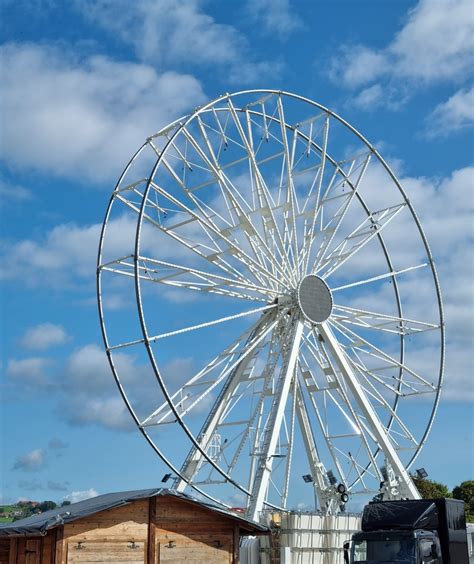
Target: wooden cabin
[{"x": 144, "y": 526}]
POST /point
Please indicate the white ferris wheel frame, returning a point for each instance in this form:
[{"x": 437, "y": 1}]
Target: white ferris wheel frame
[{"x": 403, "y": 485}]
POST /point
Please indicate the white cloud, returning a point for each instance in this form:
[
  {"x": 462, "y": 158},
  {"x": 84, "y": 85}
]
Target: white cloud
[
  {"x": 369, "y": 98},
  {"x": 109, "y": 412},
  {"x": 44, "y": 336},
  {"x": 356, "y": 65},
  {"x": 172, "y": 32},
  {"x": 455, "y": 114},
  {"x": 277, "y": 16},
  {"x": 376, "y": 96},
  {"x": 88, "y": 393},
  {"x": 81, "y": 495},
  {"x": 434, "y": 45},
  {"x": 13, "y": 193},
  {"x": 66, "y": 254},
  {"x": 84, "y": 118},
  {"x": 32, "y": 461},
  {"x": 29, "y": 371},
  {"x": 436, "y": 41}
]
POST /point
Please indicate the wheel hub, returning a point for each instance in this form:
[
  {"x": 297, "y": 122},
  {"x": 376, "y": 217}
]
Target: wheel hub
[{"x": 314, "y": 299}]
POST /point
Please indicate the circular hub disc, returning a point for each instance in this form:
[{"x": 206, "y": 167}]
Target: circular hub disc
[{"x": 314, "y": 299}]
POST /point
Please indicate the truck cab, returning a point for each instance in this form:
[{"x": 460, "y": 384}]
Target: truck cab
[
  {"x": 422, "y": 531},
  {"x": 413, "y": 547}
]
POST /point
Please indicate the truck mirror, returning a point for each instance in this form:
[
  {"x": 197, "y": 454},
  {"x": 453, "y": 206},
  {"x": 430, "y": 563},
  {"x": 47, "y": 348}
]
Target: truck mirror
[
  {"x": 346, "y": 546},
  {"x": 434, "y": 551}
]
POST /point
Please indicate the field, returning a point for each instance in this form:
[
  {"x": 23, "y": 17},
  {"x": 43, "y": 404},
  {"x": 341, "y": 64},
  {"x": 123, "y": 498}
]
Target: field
[{"x": 8, "y": 510}]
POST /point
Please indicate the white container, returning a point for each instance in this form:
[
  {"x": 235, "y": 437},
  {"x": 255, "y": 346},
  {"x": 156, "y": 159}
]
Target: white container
[{"x": 308, "y": 538}]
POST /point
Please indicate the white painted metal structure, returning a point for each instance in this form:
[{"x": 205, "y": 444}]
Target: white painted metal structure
[
  {"x": 307, "y": 538},
  {"x": 263, "y": 237}
]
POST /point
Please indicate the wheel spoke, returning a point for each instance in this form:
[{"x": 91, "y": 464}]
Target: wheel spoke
[
  {"x": 211, "y": 323},
  {"x": 357, "y": 341},
  {"x": 357, "y": 239},
  {"x": 332, "y": 226},
  {"x": 380, "y": 321},
  {"x": 391, "y": 274},
  {"x": 261, "y": 186},
  {"x": 252, "y": 336}
]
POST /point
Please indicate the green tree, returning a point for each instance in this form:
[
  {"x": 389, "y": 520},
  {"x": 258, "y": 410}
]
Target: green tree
[
  {"x": 430, "y": 489},
  {"x": 465, "y": 491},
  {"x": 46, "y": 506}
]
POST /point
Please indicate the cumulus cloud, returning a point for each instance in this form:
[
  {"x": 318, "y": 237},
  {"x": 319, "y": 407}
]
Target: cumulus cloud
[
  {"x": 81, "y": 495},
  {"x": 171, "y": 32},
  {"x": 377, "y": 96},
  {"x": 436, "y": 41},
  {"x": 29, "y": 372},
  {"x": 455, "y": 114},
  {"x": 36, "y": 460},
  {"x": 44, "y": 336},
  {"x": 91, "y": 396},
  {"x": 32, "y": 461},
  {"x": 356, "y": 65},
  {"x": 65, "y": 254},
  {"x": 85, "y": 117},
  {"x": 88, "y": 391},
  {"x": 57, "y": 444},
  {"x": 86, "y": 394},
  {"x": 434, "y": 45},
  {"x": 13, "y": 193},
  {"x": 276, "y": 16}
]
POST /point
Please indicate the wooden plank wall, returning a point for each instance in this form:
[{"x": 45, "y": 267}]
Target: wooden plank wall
[
  {"x": 179, "y": 532},
  {"x": 115, "y": 535},
  {"x": 33, "y": 550},
  {"x": 187, "y": 533},
  {"x": 4, "y": 550}
]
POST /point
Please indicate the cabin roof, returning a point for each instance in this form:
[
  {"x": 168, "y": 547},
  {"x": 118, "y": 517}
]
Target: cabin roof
[{"x": 43, "y": 522}]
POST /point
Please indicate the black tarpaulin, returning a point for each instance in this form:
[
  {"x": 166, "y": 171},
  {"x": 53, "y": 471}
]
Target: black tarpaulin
[
  {"x": 43, "y": 522},
  {"x": 407, "y": 515}
]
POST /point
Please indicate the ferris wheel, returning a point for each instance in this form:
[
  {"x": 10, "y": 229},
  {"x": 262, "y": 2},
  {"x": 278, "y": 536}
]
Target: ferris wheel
[{"x": 270, "y": 306}]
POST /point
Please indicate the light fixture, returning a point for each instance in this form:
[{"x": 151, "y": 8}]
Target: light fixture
[
  {"x": 332, "y": 479},
  {"x": 165, "y": 478},
  {"x": 421, "y": 473},
  {"x": 308, "y": 478}
]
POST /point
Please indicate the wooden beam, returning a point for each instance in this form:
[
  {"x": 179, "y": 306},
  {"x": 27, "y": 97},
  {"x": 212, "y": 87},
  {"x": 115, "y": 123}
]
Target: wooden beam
[
  {"x": 60, "y": 546},
  {"x": 151, "y": 557},
  {"x": 236, "y": 547}
]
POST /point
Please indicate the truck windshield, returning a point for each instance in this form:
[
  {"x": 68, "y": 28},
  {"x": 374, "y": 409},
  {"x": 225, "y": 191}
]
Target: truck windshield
[{"x": 389, "y": 550}]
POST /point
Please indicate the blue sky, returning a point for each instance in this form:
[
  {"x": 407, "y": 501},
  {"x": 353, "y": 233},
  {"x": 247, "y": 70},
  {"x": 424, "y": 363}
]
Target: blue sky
[{"x": 85, "y": 83}]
